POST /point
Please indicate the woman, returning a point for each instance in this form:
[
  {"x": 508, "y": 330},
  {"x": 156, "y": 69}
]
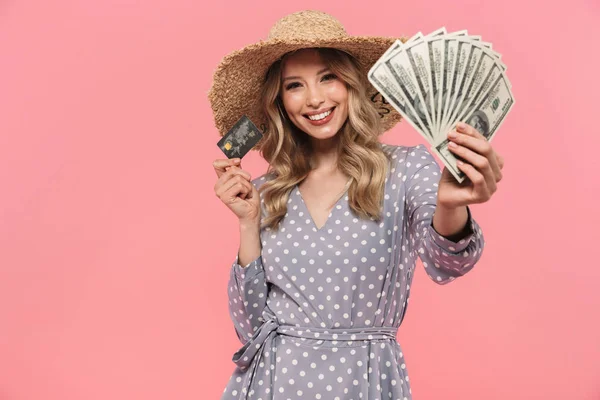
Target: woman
[{"x": 329, "y": 237}]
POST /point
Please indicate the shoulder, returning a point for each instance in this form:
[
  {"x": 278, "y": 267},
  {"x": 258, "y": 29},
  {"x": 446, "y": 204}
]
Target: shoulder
[
  {"x": 408, "y": 159},
  {"x": 261, "y": 180}
]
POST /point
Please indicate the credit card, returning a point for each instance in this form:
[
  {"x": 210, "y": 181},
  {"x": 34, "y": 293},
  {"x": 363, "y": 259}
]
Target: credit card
[{"x": 240, "y": 139}]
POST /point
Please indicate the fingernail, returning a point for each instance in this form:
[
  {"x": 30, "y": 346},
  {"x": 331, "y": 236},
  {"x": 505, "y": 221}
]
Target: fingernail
[
  {"x": 452, "y": 134},
  {"x": 236, "y": 160},
  {"x": 461, "y": 125}
]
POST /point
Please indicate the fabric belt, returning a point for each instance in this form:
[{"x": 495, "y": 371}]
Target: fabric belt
[{"x": 265, "y": 333}]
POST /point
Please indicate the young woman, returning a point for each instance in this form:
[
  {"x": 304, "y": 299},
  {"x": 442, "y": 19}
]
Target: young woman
[{"x": 331, "y": 233}]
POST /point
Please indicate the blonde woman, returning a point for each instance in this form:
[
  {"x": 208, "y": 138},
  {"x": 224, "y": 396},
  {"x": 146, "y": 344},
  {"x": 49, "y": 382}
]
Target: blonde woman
[{"x": 330, "y": 235}]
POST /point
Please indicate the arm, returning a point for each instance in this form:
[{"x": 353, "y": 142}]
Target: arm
[
  {"x": 247, "y": 291},
  {"x": 247, "y": 286},
  {"x": 444, "y": 258}
]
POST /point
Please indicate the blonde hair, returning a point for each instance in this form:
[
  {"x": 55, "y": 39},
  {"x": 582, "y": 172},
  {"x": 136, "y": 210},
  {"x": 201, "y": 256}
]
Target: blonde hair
[{"x": 287, "y": 149}]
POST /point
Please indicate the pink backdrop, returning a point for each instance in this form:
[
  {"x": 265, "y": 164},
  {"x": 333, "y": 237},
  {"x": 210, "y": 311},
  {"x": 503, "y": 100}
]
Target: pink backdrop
[{"x": 115, "y": 252}]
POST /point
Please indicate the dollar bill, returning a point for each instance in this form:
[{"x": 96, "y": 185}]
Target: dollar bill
[
  {"x": 484, "y": 64},
  {"x": 487, "y": 117},
  {"x": 463, "y": 48},
  {"x": 436, "y": 57},
  {"x": 472, "y": 55},
  {"x": 384, "y": 82},
  {"x": 425, "y": 58},
  {"x": 439, "y": 79}
]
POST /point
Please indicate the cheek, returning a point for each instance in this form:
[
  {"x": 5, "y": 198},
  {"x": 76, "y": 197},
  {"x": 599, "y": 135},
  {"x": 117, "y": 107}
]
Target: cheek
[
  {"x": 338, "y": 93},
  {"x": 292, "y": 102}
]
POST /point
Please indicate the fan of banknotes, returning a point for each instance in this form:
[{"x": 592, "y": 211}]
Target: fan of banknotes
[{"x": 437, "y": 80}]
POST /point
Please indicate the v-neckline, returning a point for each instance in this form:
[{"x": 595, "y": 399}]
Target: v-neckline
[{"x": 317, "y": 229}]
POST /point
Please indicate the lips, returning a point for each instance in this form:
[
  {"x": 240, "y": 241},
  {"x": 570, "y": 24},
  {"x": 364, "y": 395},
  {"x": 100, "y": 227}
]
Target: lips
[
  {"x": 322, "y": 121},
  {"x": 318, "y": 112}
]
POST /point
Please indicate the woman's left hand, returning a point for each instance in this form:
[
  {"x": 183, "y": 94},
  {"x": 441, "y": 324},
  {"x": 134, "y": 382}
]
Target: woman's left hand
[{"x": 483, "y": 168}]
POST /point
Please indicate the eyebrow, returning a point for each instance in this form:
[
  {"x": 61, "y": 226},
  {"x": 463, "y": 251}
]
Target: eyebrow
[{"x": 297, "y": 77}]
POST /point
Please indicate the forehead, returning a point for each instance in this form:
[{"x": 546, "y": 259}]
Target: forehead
[{"x": 302, "y": 61}]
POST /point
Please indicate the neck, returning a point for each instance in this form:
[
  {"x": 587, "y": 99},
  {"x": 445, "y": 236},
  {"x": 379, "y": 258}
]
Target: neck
[{"x": 324, "y": 154}]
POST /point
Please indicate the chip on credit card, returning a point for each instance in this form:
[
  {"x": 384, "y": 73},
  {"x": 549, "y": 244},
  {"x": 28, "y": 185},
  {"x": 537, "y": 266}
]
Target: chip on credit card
[{"x": 240, "y": 139}]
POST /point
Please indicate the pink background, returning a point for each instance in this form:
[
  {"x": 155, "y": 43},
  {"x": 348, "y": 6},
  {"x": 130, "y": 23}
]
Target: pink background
[{"x": 115, "y": 252}]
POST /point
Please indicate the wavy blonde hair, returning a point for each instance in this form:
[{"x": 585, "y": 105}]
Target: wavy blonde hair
[{"x": 287, "y": 149}]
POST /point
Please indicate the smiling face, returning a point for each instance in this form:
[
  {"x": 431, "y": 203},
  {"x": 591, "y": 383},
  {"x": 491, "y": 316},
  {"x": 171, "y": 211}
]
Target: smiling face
[{"x": 315, "y": 99}]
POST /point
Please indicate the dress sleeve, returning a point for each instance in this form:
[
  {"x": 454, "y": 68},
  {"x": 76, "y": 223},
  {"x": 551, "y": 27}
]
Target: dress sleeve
[
  {"x": 444, "y": 260},
  {"x": 247, "y": 291}
]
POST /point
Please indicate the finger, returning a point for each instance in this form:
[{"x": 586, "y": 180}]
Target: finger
[
  {"x": 230, "y": 173},
  {"x": 467, "y": 129},
  {"x": 228, "y": 180},
  {"x": 463, "y": 127},
  {"x": 220, "y": 165},
  {"x": 233, "y": 188},
  {"x": 480, "y": 146},
  {"x": 240, "y": 190},
  {"x": 500, "y": 160},
  {"x": 500, "y": 165},
  {"x": 480, "y": 162},
  {"x": 237, "y": 170},
  {"x": 247, "y": 183},
  {"x": 469, "y": 155},
  {"x": 480, "y": 192}
]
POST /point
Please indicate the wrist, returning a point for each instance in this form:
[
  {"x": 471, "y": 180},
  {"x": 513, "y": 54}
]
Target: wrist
[
  {"x": 249, "y": 224},
  {"x": 451, "y": 222},
  {"x": 448, "y": 208}
]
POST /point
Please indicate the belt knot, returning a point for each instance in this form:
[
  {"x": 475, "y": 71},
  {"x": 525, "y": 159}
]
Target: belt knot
[{"x": 271, "y": 327}]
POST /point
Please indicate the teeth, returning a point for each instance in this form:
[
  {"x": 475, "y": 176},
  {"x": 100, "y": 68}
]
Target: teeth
[{"x": 319, "y": 116}]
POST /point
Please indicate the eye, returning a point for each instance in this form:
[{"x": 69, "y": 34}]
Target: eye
[
  {"x": 329, "y": 77},
  {"x": 292, "y": 85}
]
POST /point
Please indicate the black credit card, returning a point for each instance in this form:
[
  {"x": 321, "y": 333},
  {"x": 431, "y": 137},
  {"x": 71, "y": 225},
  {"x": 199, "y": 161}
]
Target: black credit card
[{"x": 240, "y": 139}]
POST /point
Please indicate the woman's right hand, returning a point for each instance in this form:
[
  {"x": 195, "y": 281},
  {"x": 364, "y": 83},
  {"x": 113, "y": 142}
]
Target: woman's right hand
[{"x": 236, "y": 191}]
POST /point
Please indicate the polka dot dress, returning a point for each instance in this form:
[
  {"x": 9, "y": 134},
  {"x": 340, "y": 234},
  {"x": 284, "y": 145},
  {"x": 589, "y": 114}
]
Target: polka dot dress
[{"x": 317, "y": 313}]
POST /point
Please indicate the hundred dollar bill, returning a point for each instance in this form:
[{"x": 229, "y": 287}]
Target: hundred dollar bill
[
  {"x": 487, "y": 117},
  {"x": 472, "y": 61},
  {"x": 436, "y": 56},
  {"x": 462, "y": 52},
  {"x": 484, "y": 63},
  {"x": 383, "y": 81},
  {"x": 436, "y": 53},
  {"x": 441, "y": 145},
  {"x": 482, "y": 91},
  {"x": 420, "y": 56},
  {"x": 450, "y": 46},
  {"x": 438, "y": 79},
  {"x": 419, "y": 36},
  {"x": 397, "y": 46},
  {"x": 409, "y": 79},
  {"x": 439, "y": 61}
]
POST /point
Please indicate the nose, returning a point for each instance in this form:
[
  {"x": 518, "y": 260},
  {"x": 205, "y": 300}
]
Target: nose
[{"x": 314, "y": 97}]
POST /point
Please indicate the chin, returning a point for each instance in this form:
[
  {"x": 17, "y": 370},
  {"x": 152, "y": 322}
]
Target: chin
[{"x": 322, "y": 133}]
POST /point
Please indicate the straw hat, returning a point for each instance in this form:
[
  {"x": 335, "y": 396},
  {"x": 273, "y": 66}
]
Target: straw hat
[{"x": 238, "y": 78}]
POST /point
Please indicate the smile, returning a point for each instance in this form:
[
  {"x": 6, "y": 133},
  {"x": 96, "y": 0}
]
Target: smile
[
  {"x": 319, "y": 116},
  {"x": 322, "y": 118}
]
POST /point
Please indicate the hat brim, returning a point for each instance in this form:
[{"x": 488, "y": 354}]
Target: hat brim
[{"x": 237, "y": 81}]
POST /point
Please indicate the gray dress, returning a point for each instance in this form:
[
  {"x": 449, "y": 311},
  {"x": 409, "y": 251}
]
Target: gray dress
[{"x": 317, "y": 312}]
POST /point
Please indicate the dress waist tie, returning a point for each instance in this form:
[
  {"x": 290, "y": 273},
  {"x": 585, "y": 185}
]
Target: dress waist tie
[{"x": 265, "y": 333}]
